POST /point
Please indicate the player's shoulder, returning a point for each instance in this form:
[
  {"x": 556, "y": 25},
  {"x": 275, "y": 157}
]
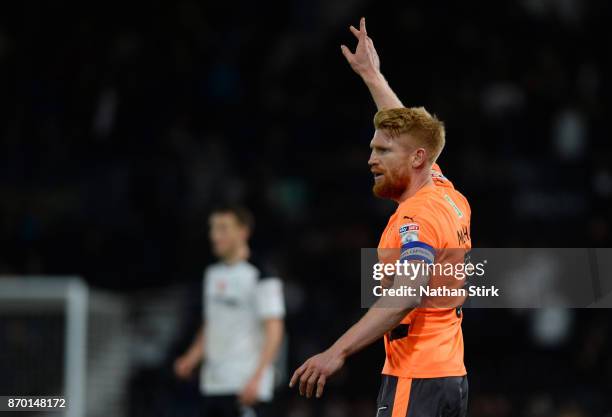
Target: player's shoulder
[
  {"x": 460, "y": 196},
  {"x": 432, "y": 206},
  {"x": 420, "y": 204},
  {"x": 440, "y": 180},
  {"x": 458, "y": 199},
  {"x": 212, "y": 268},
  {"x": 436, "y": 199}
]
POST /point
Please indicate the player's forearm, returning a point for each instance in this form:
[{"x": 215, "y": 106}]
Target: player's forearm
[
  {"x": 196, "y": 350},
  {"x": 381, "y": 91},
  {"x": 274, "y": 330},
  {"x": 372, "y": 326},
  {"x": 384, "y": 315}
]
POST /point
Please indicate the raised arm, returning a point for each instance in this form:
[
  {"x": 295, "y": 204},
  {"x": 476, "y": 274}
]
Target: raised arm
[{"x": 366, "y": 64}]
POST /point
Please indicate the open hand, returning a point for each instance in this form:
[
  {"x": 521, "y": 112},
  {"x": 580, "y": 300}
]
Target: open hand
[
  {"x": 248, "y": 396},
  {"x": 364, "y": 61},
  {"x": 315, "y": 372},
  {"x": 183, "y": 367}
]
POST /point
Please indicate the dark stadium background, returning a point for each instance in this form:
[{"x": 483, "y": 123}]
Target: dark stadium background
[{"x": 123, "y": 124}]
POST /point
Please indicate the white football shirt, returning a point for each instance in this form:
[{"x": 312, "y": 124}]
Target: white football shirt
[{"x": 237, "y": 298}]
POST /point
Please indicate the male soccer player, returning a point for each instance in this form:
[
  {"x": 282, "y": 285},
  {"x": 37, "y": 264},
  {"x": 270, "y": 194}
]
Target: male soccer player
[
  {"x": 424, "y": 374},
  {"x": 243, "y": 324}
]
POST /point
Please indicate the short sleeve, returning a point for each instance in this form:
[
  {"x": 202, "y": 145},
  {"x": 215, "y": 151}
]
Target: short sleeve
[
  {"x": 417, "y": 236},
  {"x": 270, "y": 299}
]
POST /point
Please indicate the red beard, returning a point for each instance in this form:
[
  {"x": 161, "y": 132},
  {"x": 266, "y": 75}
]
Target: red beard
[{"x": 390, "y": 188}]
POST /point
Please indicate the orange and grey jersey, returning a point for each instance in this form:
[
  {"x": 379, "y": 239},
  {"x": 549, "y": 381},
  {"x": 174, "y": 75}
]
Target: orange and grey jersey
[{"x": 433, "y": 226}]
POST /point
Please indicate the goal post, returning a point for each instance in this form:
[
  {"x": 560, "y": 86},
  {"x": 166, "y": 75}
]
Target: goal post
[{"x": 23, "y": 297}]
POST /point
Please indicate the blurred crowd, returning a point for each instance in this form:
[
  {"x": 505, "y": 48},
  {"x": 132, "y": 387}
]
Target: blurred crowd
[{"x": 123, "y": 124}]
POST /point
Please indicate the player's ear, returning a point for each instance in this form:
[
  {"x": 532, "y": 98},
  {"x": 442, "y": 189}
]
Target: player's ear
[
  {"x": 246, "y": 232},
  {"x": 419, "y": 157}
]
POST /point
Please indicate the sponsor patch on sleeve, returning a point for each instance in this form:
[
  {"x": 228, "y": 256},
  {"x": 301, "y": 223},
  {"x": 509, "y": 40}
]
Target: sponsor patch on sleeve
[
  {"x": 409, "y": 227},
  {"x": 409, "y": 233}
]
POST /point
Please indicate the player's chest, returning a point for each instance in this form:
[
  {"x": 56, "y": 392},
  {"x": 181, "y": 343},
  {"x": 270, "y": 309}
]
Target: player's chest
[{"x": 229, "y": 290}]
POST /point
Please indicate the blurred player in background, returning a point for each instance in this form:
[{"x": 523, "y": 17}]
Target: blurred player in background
[
  {"x": 243, "y": 324},
  {"x": 424, "y": 374}
]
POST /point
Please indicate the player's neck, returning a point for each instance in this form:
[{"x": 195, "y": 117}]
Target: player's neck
[
  {"x": 418, "y": 182},
  {"x": 242, "y": 253}
]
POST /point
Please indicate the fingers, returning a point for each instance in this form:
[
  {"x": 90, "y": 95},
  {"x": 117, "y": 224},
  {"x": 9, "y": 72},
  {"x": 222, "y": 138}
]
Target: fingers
[
  {"x": 310, "y": 385},
  {"x": 247, "y": 398},
  {"x": 181, "y": 369},
  {"x": 320, "y": 385},
  {"x": 362, "y": 27},
  {"x": 298, "y": 372},
  {"x": 347, "y": 53},
  {"x": 310, "y": 381},
  {"x": 304, "y": 380},
  {"x": 361, "y": 33}
]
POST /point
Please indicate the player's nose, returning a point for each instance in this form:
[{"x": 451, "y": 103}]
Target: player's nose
[{"x": 372, "y": 160}]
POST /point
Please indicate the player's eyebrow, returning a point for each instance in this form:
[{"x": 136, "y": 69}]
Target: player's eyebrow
[{"x": 379, "y": 147}]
